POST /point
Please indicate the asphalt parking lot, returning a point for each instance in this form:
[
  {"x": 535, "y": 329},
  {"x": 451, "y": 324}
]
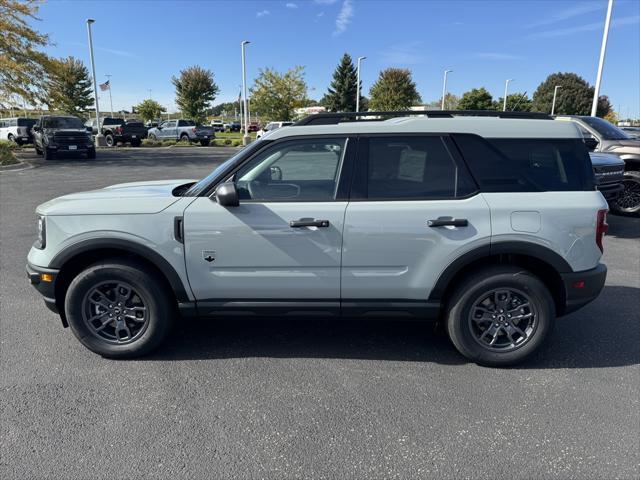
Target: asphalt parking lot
[{"x": 304, "y": 398}]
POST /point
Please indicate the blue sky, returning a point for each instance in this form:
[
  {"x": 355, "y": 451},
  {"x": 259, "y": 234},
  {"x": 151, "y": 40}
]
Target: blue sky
[{"x": 143, "y": 43}]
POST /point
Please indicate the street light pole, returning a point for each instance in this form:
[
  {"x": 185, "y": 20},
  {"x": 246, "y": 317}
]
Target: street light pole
[
  {"x": 110, "y": 97},
  {"x": 99, "y": 139},
  {"x": 555, "y": 94},
  {"x": 506, "y": 89},
  {"x": 444, "y": 87},
  {"x": 245, "y": 139},
  {"x": 358, "y": 84},
  {"x": 603, "y": 51}
]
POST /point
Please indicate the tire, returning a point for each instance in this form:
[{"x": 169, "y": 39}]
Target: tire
[
  {"x": 471, "y": 333},
  {"x": 109, "y": 140},
  {"x": 38, "y": 151},
  {"x": 135, "y": 143},
  {"x": 628, "y": 202},
  {"x": 184, "y": 138},
  {"x": 49, "y": 154},
  {"x": 91, "y": 153},
  {"x": 152, "y": 137},
  {"x": 11, "y": 138},
  {"x": 204, "y": 143},
  {"x": 83, "y": 303}
]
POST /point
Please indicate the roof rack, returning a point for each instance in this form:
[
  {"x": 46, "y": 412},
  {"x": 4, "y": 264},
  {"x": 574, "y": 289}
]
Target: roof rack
[{"x": 339, "y": 117}]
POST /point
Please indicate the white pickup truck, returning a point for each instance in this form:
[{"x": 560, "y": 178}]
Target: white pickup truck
[{"x": 183, "y": 131}]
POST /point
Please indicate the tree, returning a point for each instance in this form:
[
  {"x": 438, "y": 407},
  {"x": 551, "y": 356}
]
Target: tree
[
  {"x": 275, "y": 96},
  {"x": 341, "y": 95},
  {"x": 22, "y": 65},
  {"x": 611, "y": 117},
  {"x": 149, "y": 110},
  {"x": 394, "y": 90},
  {"x": 227, "y": 107},
  {"x": 476, "y": 99},
  {"x": 451, "y": 102},
  {"x": 195, "y": 90},
  {"x": 575, "y": 96},
  {"x": 68, "y": 87},
  {"x": 516, "y": 102}
]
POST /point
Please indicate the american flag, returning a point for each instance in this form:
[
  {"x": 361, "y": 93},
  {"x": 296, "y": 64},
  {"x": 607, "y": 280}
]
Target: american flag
[{"x": 104, "y": 86}]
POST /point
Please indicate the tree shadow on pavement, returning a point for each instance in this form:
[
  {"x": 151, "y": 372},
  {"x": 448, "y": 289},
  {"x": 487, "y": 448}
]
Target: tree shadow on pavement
[{"x": 603, "y": 334}]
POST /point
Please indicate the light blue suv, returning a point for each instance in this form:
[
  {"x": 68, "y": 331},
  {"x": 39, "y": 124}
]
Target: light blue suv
[{"x": 491, "y": 225}]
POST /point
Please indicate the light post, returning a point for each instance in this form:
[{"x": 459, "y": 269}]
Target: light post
[
  {"x": 149, "y": 90},
  {"x": 99, "y": 138},
  {"x": 603, "y": 51},
  {"x": 444, "y": 87},
  {"x": 358, "y": 84},
  {"x": 506, "y": 89},
  {"x": 246, "y": 138},
  {"x": 555, "y": 94},
  {"x": 110, "y": 97}
]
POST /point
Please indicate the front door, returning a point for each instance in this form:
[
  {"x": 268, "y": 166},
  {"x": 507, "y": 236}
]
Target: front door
[{"x": 282, "y": 244}]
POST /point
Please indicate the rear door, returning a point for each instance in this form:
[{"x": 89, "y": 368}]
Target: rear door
[
  {"x": 282, "y": 245},
  {"x": 414, "y": 209}
]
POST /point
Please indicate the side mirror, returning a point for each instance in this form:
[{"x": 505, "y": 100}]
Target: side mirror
[
  {"x": 591, "y": 143},
  {"x": 227, "y": 195},
  {"x": 89, "y": 129}
]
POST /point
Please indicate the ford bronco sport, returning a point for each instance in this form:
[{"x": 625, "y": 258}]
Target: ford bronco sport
[{"x": 492, "y": 226}]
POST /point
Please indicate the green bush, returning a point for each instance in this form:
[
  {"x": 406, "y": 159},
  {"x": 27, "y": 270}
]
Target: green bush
[
  {"x": 6, "y": 153},
  {"x": 169, "y": 143},
  {"x": 228, "y": 141},
  {"x": 148, "y": 142},
  {"x": 237, "y": 143}
]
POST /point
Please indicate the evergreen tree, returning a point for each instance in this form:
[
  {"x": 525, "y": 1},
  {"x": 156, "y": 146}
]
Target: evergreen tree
[
  {"x": 575, "y": 96},
  {"x": 69, "y": 87},
  {"x": 341, "y": 95}
]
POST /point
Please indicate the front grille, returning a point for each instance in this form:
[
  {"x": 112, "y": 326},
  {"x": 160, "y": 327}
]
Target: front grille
[
  {"x": 68, "y": 138},
  {"x": 609, "y": 174}
]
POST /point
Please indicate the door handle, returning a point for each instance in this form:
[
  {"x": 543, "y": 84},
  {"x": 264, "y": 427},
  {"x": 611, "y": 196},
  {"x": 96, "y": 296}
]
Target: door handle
[
  {"x": 448, "y": 222},
  {"x": 308, "y": 222}
]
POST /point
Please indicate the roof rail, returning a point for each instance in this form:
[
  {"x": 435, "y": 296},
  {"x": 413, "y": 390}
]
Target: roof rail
[{"x": 339, "y": 117}]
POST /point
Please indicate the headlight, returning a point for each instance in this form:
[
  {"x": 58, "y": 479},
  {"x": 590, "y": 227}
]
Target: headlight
[{"x": 41, "y": 241}]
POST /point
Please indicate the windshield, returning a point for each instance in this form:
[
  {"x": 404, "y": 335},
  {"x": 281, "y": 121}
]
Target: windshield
[
  {"x": 26, "y": 122},
  {"x": 202, "y": 185},
  {"x": 606, "y": 129},
  {"x": 63, "y": 122}
]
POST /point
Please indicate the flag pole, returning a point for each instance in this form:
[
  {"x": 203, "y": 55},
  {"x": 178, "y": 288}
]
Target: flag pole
[{"x": 110, "y": 98}]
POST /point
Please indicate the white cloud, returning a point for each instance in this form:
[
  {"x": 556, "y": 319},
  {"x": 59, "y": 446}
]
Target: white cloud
[
  {"x": 321, "y": 14},
  {"x": 497, "y": 56},
  {"x": 568, "y": 13},
  {"x": 403, "y": 54},
  {"x": 262, "y": 13},
  {"x": 344, "y": 17},
  {"x": 291, "y": 5},
  {"x": 588, "y": 27},
  {"x": 325, "y": 2}
]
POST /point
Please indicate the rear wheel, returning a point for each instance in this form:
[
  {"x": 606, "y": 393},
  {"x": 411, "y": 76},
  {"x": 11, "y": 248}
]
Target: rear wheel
[
  {"x": 91, "y": 153},
  {"x": 500, "y": 316},
  {"x": 152, "y": 137},
  {"x": 204, "y": 143},
  {"x": 38, "y": 151},
  {"x": 184, "y": 138},
  {"x": 49, "y": 154},
  {"x": 628, "y": 202},
  {"x": 109, "y": 140},
  {"x": 119, "y": 310},
  {"x": 135, "y": 142}
]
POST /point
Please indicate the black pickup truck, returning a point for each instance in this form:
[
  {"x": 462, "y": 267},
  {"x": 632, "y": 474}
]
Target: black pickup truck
[
  {"x": 60, "y": 135},
  {"x": 119, "y": 130}
]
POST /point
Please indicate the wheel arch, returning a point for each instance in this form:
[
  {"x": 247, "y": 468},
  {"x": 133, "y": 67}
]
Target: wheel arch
[
  {"x": 76, "y": 257},
  {"x": 539, "y": 260}
]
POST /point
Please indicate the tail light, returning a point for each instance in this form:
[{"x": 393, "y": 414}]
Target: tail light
[
  {"x": 119, "y": 130},
  {"x": 602, "y": 227},
  {"x": 194, "y": 130}
]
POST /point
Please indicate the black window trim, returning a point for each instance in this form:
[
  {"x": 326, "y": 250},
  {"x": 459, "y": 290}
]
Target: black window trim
[
  {"x": 359, "y": 189},
  {"x": 344, "y": 175}
]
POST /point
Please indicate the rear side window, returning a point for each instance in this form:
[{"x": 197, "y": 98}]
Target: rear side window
[
  {"x": 527, "y": 165},
  {"x": 414, "y": 168}
]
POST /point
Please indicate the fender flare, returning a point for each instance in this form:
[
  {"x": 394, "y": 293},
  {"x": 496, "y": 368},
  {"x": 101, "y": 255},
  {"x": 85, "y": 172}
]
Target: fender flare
[
  {"x": 528, "y": 249},
  {"x": 62, "y": 257}
]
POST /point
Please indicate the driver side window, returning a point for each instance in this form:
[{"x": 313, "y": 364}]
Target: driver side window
[{"x": 295, "y": 171}]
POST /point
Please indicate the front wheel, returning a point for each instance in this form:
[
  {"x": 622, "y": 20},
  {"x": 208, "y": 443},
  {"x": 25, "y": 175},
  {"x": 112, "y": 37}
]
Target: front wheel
[
  {"x": 184, "y": 138},
  {"x": 500, "y": 316},
  {"x": 109, "y": 140},
  {"x": 49, "y": 154},
  {"x": 628, "y": 202},
  {"x": 91, "y": 153},
  {"x": 118, "y": 309}
]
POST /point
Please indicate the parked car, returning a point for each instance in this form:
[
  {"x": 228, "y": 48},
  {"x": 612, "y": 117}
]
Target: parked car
[
  {"x": 232, "y": 127},
  {"x": 119, "y": 130},
  {"x": 608, "y": 170},
  {"x": 17, "y": 129},
  {"x": 55, "y": 135},
  {"x": 183, "y": 131},
  {"x": 253, "y": 127},
  {"x": 603, "y": 136},
  {"x": 633, "y": 132},
  {"x": 217, "y": 125},
  {"x": 490, "y": 225},
  {"x": 272, "y": 126}
]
